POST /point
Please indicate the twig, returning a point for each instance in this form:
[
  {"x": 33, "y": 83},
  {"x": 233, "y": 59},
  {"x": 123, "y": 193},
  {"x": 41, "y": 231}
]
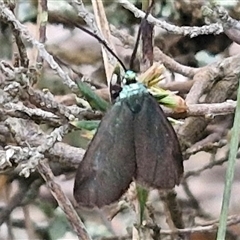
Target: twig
[
  {"x": 208, "y": 227},
  {"x": 172, "y": 210},
  {"x": 207, "y": 110},
  {"x": 232, "y": 220},
  {"x": 42, "y": 19},
  {"x": 12, "y": 109},
  {"x": 205, "y": 167},
  {"x": 18, "y": 86},
  {"x": 16, "y": 200},
  {"x": 63, "y": 201},
  {"x": 29, "y": 157},
  {"x": 28, "y": 223},
  {"x": 102, "y": 24},
  {"x": 193, "y": 201},
  {"x": 173, "y": 65},
  {"x": 21, "y": 57},
  {"x": 209, "y": 81},
  {"x": 191, "y": 31},
  {"x": 89, "y": 19},
  {"x": 60, "y": 152},
  {"x": 159, "y": 56},
  {"x": 7, "y": 14}
]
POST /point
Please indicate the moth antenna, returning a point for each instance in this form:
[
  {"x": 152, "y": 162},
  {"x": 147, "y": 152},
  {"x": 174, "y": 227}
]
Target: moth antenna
[
  {"x": 103, "y": 42},
  {"x": 139, "y": 35}
]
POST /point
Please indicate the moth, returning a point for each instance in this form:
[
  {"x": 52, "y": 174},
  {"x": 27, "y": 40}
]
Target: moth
[{"x": 134, "y": 141}]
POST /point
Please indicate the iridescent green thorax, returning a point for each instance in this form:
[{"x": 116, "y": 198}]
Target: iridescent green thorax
[
  {"x": 131, "y": 90},
  {"x": 133, "y": 96}
]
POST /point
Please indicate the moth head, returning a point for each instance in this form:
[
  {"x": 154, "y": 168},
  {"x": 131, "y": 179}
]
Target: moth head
[
  {"x": 129, "y": 77},
  {"x": 117, "y": 81}
]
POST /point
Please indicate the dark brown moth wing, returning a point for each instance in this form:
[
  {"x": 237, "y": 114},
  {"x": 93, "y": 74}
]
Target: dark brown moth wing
[
  {"x": 108, "y": 165},
  {"x": 158, "y": 155}
]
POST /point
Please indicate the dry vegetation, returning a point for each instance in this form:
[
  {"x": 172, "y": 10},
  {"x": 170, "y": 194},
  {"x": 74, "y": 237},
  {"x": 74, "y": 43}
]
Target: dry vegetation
[{"x": 44, "y": 52}]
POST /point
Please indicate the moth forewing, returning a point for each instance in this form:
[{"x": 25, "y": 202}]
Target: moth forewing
[
  {"x": 108, "y": 165},
  {"x": 158, "y": 154}
]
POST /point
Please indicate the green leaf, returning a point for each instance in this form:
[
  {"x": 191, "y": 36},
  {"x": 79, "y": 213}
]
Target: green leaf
[
  {"x": 142, "y": 195},
  {"x": 94, "y": 100},
  {"x": 232, "y": 157},
  {"x": 86, "y": 124}
]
